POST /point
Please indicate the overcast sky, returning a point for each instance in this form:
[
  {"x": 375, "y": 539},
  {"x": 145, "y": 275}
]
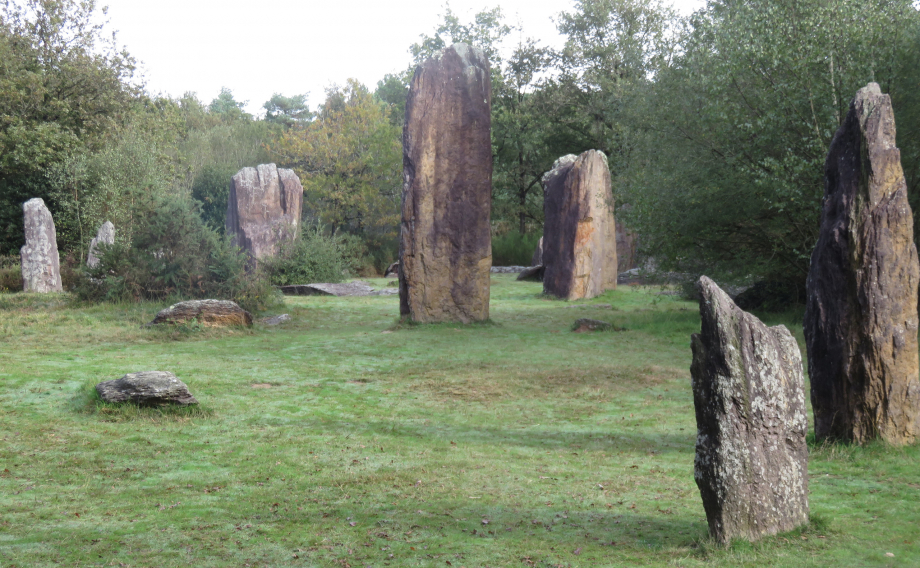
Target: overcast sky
[{"x": 257, "y": 48}]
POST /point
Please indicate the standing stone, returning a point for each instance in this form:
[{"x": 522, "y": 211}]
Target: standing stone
[
  {"x": 579, "y": 231},
  {"x": 861, "y": 307},
  {"x": 105, "y": 234},
  {"x": 41, "y": 266},
  {"x": 264, "y": 209},
  {"x": 537, "y": 259},
  {"x": 627, "y": 248},
  {"x": 748, "y": 389},
  {"x": 445, "y": 247}
]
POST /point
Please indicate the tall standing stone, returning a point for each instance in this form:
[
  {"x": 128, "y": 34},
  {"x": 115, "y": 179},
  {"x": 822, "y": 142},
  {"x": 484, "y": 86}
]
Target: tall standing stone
[
  {"x": 579, "y": 231},
  {"x": 748, "y": 389},
  {"x": 445, "y": 247},
  {"x": 861, "y": 311},
  {"x": 105, "y": 235},
  {"x": 41, "y": 265},
  {"x": 264, "y": 209}
]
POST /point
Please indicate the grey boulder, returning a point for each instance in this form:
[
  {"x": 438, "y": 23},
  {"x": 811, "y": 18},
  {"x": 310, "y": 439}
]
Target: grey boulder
[{"x": 148, "y": 388}]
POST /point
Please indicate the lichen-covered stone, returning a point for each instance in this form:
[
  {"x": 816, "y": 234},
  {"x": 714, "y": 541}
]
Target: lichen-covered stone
[
  {"x": 148, "y": 388},
  {"x": 41, "y": 265},
  {"x": 748, "y": 389},
  {"x": 579, "y": 231},
  {"x": 861, "y": 310},
  {"x": 264, "y": 209},
  {"x": 209, "y": 313},
  {"x": 445, "y": 249},
  {"x": 105, "y": 235}
]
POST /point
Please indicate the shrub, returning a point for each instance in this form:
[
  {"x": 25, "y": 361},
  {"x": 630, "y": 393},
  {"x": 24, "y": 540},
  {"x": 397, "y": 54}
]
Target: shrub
[
  {"x": 514, "y": 249},
  {"x": 174, "y": 254},
  {"x": 314, "y": 257},
  {"x": 10, "y": 274}
]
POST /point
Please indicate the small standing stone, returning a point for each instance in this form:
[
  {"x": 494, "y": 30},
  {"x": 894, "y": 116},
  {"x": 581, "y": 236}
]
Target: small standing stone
[
  {"x": 105, "y": 234},
  {"x": 41, "y": 265},
  {"x": 537, "y": 258},
  {"x": 748, "y": 389},
  {"x": 148, "y": 388},
  {"x": 445, "y": 247},
  {"x": 579, "y": 234},
  {"x": 861, "y": 298}
]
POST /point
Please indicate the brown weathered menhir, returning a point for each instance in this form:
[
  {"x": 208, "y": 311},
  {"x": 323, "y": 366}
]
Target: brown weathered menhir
[
  {"x": 264, "y": 209},
  {"x": 579, "y": 230},
  {"x": 748, "y": 389},
  {"x": 861, "y": 311},
  {"x": 445, "y": 247},
  {"x": 41, "y": 265}
]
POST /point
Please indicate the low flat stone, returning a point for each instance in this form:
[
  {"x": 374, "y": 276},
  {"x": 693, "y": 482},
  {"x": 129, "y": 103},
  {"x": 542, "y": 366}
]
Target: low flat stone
[
  {"x": 276, "y": 320},
  {"x": 148, "y": 388},
  {"x": 392, "y": 271},
  {"x": 209, "y": 313},
  {"x": 532, "y": 273},
  {"x": 507, "y": 269},
  {"x": 585, "y": 325},
  {"x": 329, "y": 289}
]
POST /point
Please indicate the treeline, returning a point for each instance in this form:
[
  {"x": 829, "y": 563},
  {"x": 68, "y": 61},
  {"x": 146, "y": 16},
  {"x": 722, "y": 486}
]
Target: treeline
[{"x": 715, "y": 126}]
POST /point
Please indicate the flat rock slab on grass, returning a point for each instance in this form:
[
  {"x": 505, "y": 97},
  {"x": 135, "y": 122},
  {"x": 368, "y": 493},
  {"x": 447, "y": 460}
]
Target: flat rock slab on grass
[
  {"x": 148, "y": 388},
  {"x": 276, "y": 320},
  {"x": 585, "y": 325},
  {"x": 337, "y": 289},
  {"x": 507, "y": 269},
  {"x": 209, "y": 313},
  {"x": 748, "y": 390},
  {"x": 531, "y": 273}
]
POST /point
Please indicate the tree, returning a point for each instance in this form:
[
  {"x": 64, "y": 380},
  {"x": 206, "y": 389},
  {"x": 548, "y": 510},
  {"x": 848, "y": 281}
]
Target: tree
[
  {"x": 287, "y": 111},
  {"x": 63, "y": 87},
  {"x": 228, "y": 107},
  {"x": 730, "y": 175},
  {"x": 349, "y": 159}
]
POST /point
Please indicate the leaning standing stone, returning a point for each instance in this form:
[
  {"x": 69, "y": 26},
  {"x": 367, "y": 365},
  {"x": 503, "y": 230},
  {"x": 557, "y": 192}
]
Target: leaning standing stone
[
  {"x": 861, "y": 311},
  {"x": 445, "y": 247},
  {"x": 41, "y": 266},
  {"x": 106, "y": 235},
  {"x": 263, "y": 209},
  {"x": 748, "y": 389},
  {"x": 579, "y": 231},
  {"x": 149, "y": 388}
]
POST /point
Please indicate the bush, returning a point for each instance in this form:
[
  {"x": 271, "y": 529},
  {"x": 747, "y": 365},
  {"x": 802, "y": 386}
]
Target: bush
[
  {"x": 314, "y": 257},
  {"x": 514, "y": 249},
  {"x": 174, "y": 254},
  {"x": 10, "y": 274}
]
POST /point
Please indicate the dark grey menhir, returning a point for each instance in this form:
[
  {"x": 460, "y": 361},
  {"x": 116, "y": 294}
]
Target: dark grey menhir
[
  {"x": 149, "y": 388},
  {"x": 748, "y": 389}
]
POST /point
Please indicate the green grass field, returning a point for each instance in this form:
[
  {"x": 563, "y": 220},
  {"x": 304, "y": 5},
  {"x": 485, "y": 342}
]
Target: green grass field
[{"x": 344, "y": 439}]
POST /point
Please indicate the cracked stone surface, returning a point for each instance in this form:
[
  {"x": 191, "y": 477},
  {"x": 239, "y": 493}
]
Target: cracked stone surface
[
  {"x": 861, "y": 303},
  {"x": 445, "y": 248},
  {"x": 748, "y": 390},
  {"x": 209, "y": 313},
  {"x": 579, "y": 232},
  {"x": 264, "y": 209},
  {"x": 105, "y": 234},
  {"x": 41, "y": 265},
  {"x": 147, "y": 388}
]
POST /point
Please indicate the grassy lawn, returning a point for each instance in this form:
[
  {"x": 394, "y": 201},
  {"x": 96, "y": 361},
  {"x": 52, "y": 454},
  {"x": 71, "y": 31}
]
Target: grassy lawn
[{"x": 343, "y": 439}]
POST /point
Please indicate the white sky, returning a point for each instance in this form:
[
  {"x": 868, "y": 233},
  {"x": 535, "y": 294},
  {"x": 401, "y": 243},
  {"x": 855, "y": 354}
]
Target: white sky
[{"x": 294, "y": 46}]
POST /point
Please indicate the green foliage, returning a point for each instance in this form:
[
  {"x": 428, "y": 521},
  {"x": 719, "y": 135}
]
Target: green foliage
[
  {"x": 64, "y": 87},
  {"x": 314, "y": 257},
  {"x": 173, "y": 254},
  {"x": 514, "y": 249},
  {"x": 227, "y": 107},
  {"x": 349, "y": 160},
  {"x": 211, "y": 189},
  {"x": 730, "y": 174},
  {"x": 10, "y": 274},
  {"x": 393, "y": 90},
  {"x": 287, "y": 111}
]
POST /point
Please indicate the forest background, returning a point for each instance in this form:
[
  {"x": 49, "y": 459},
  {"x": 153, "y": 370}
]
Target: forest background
[{"x": 716, "y": 127}]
